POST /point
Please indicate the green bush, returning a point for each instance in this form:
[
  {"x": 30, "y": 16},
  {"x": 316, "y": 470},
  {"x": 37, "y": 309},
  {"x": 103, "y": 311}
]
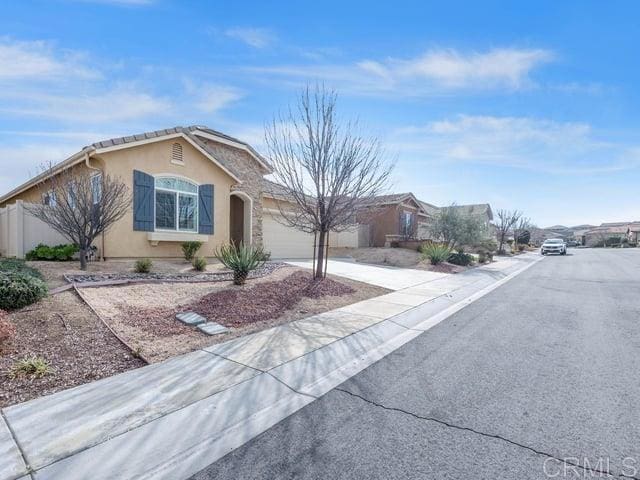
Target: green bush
[
  {"x": 435, "y": 252},
  {"x": 19, "y": 289},
  {"x": 189, "y": 249},
  {"x": 12, "y": 265},
  {"x": 199, "y": 264},
  {"x": 143, "y": 265},
  {"x": 34, "y": 366},
  {"x": 460, "y": 258},
  {"x": 241, "y": 259},
  {"x": 59, "y": 253}
]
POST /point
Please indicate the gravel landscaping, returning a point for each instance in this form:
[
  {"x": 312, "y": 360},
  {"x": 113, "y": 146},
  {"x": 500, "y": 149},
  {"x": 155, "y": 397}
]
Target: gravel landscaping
[
  {"x": 144, "y": 314},
  {"x": 77, "y": 346}
]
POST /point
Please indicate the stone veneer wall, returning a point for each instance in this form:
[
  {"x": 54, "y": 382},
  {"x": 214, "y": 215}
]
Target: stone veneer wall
[{"x": 251, "y": 174}]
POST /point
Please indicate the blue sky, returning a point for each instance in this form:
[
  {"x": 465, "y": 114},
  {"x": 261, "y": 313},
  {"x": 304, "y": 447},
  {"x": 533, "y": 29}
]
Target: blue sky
[{"x": 528, "y": 105}]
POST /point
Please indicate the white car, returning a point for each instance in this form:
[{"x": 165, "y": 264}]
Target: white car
[{"x": 554, "y": 245}]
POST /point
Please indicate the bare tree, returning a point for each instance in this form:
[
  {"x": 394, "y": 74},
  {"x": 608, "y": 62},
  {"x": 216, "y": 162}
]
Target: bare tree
[
  {"x": 325, "y": 167},
  {"x": 507, "y": 219},
  {"x": 80, "y": 205}
]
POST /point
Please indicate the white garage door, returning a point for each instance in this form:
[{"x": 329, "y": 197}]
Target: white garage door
[{"x": 285, "y": 242}]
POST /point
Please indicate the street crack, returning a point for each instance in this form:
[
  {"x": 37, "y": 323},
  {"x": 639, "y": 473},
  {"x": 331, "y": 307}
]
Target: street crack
[{"x": 488, "y": 435}]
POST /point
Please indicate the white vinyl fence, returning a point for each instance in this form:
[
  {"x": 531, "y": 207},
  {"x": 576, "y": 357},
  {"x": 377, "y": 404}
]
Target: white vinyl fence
[{"x": 21, "y": 231}]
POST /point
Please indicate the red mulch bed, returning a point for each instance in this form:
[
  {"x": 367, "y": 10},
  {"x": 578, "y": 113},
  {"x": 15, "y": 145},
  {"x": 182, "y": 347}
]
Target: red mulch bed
[{"x": 240, "y": 306}]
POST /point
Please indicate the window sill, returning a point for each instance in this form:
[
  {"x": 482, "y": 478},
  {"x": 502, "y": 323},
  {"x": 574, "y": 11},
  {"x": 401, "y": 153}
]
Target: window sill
[{"x": 156, "y": 237}]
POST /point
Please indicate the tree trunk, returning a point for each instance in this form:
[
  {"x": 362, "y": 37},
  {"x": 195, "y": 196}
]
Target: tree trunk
[
  {"x": 320, "y": 256},
  {"x": 83, "y": 259}
]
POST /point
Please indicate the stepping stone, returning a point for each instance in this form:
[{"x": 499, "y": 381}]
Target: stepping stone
[
  {"x": 212, "y": 328},
  {"x": 191, "y": 318}
]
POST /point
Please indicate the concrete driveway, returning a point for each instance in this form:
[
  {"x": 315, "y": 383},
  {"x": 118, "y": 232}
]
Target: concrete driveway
[{"x": 393, "y": 278}]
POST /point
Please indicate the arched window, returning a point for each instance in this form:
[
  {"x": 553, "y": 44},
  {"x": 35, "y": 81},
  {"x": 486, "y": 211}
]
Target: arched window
[
  {"x": 176, "y": 204},
  {"x": 176, "y": 153}
]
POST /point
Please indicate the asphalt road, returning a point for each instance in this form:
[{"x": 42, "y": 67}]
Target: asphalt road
[{"x": 539, "y": 376}]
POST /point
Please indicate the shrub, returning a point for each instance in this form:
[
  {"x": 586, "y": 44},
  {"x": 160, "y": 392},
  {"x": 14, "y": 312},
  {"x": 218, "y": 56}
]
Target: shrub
[
  {"x": 59, "y": 253},
  {"x": 521, "y": 247},
  {"x": 241, "y": 259},
  {"x": 35, "y": 366},
  {"x": 189, "y": 249},
  {"x": 460, "y": 258},
  {"x": 482, "y": 256},
  {"x": 7, "y": 330},
  {"x": 143, "y": 265},
  {"x": 12, "y": 265},
  {"x": 18, "y": 289},
  {"x": 199, "y": 264},
  {"x": 435, "y": 252}
]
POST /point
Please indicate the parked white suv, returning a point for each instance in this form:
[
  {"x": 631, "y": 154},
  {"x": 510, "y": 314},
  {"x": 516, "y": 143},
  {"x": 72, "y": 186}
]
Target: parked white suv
[{"x": 554, "y": 245}]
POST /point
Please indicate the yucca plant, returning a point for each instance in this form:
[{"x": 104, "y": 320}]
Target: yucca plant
[
  {"x": 241, "y": 259},
  {"x": 435, "y": 252}
]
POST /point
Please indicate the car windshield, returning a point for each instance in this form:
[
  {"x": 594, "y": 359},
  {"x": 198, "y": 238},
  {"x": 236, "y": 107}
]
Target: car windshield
[{"x": 553, "y": 241}]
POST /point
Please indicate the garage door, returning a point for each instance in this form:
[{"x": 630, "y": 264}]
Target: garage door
[{"x": 285, "y": 242}]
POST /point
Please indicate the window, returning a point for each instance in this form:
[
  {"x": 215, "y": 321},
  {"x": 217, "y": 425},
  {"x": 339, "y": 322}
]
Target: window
[
  {"x": 49, "y": 198},
  {"x": 176, "y": 154},
  {"x": 96, "y": 188},
  {"x": 71, "y": 194},
  {"x": 176, "y": 204},
  {"x": 406, "y": 223}
]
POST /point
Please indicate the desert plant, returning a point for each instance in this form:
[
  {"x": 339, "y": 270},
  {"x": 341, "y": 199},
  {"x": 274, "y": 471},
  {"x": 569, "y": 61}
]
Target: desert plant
[
  {"x": 199, "y": 264},
  {"x": 460, "y": 258},
  {"x": 59, "y": 253},
  {"x": 7, "y": 330},
  {"x": 241, "y": 259},
  {"x": 435, "y": 252},
  {"x": 143, "y": 265},
  {"x": 189, "y": 249},
  {"x": 482, "y": 256},
  {"x": 521, "y": 247},
  {"x": 19, "y": 289},
  {"x": 12, "y": 265},
  {"x": 35, "y": 366}
]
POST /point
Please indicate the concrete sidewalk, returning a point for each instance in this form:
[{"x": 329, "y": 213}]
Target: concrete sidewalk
[{"x": 171, "y": 419}]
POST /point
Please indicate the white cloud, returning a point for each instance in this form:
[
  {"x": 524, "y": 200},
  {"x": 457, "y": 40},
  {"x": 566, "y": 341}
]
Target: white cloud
[
  {"x": 254, "y": 37},
  {"x": 519, "y": 142},
  {"x": 119, "y": 104},
  {"x": 209, "y": 98},
  {"x": 435, "y": 71},
  {"x": 37, "y": 60}
]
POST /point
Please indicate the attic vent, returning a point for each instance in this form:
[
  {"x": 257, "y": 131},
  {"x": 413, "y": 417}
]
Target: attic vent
[{"x": 176, "y": 153}]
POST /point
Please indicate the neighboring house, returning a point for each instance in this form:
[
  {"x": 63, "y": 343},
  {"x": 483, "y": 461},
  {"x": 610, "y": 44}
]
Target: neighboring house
[
  {"x": 188, "y": 183},
  {"x": 634, "y": 233},
  {"x": 395, "y": 216},
  {"x": 606, "y": 233}
]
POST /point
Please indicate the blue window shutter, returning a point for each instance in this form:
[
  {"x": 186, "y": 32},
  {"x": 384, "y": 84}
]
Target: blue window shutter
[
  {"x": 143, "y": 198},
  {"x": 205, "y": 209}
]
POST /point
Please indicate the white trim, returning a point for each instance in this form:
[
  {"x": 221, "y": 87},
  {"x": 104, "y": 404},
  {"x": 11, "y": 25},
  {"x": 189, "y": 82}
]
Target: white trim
[
  {"x": 241, "y": 146},
  {"x": 177, "y": 205},
  {"x": 162, "y": 138},
  {"x": 248, "y": 219}
]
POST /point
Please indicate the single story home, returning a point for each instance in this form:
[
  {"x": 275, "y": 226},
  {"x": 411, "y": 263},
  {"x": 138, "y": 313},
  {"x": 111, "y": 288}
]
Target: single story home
[
  {"x": 392, "y": 217},
  {"x": 188, "y": 184}
]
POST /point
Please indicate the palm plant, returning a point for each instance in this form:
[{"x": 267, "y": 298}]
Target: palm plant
[{"x": 241, "y": 259}]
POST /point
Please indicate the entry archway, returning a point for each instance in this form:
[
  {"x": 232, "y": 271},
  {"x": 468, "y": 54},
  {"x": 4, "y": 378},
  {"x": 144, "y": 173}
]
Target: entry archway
[{"x": 240, "y": 218}]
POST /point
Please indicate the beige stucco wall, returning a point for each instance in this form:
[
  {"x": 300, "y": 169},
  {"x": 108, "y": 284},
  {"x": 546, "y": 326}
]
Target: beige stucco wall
[{"x": 155, "y": 159}]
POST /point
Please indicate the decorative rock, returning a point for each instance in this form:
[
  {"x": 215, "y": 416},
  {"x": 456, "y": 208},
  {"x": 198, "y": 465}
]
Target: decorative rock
[
  {"x": 191, "y": 318},
  {"x": 212, "y": 328}
]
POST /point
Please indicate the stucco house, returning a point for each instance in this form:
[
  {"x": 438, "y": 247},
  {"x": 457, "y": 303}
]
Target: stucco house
[
  {"x": 396, "y": 216},
  {"x": 188, "y": 183}
]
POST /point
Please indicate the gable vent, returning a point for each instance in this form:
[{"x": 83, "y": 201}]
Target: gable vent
[{"x": 176, "y": 153}]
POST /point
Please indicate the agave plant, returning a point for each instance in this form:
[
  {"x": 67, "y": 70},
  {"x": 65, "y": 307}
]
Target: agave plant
[
  {"x": 435, "y": 252},
  {"x": 241, "y": 259}
]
